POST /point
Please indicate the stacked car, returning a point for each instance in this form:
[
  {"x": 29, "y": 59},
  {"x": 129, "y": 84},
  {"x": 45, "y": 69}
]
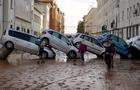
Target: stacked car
[
  {"x": 134, "y": 45},
  {"x": 93, "y": 45},
  {"x": 59, "y": 42},
  {"x": 13, "y": 39},
  {"x": 121, "y": 46}
]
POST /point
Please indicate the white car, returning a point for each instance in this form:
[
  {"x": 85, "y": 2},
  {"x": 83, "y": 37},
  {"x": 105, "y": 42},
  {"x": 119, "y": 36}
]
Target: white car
[
  {"x": 15, "y": 39},
  {"x": 60, "y": 42},
  {"x": 93, "y": 45},
  {"x": 135, "y": 42}
]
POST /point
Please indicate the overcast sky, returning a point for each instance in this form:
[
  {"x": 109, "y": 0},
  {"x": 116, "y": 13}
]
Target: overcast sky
[{"x": 74, "y": 11}]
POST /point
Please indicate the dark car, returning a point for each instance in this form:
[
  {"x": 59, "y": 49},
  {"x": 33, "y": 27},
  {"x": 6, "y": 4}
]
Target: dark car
[{"x": 121, "y": 46}]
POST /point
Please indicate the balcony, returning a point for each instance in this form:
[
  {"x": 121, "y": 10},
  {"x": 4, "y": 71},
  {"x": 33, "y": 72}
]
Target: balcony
[{"x": 44, "y": 1}]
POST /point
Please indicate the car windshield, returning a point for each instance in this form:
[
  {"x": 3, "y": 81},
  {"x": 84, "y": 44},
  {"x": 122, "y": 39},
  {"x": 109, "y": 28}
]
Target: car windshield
[{"x": 65, "y": 40}]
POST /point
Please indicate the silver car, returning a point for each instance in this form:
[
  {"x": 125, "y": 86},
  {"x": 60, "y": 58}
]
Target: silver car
[
  {"x": 60, "y": 42},
  {"x": 93, "y": 45},
  {"x": 15, "y": 39},
  {"x": 135, "y": 42}
]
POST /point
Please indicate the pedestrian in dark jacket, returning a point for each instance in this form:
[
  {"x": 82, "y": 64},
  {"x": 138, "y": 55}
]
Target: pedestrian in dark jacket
[
  {"x": 82, "y": 50},
  {"x": 110, "y": 50},
  {"x": 41, "y": 50}
]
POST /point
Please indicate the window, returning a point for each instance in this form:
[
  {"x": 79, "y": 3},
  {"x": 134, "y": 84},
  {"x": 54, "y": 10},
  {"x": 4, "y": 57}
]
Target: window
[
  {"x": 33, "y": 39},
  {"x": 128, "y": 13},
  {"x": 138, "y": 9},
  {"x": 134, "y": 11},
  {"x": 28, "y": 31},
  {"x": 122, "y": 15},
  {"x": 19, "y": 35},
  {"x": 86, "y": 38},
  {"x": 35, "y": 32},
  {"x": 82, "y": 36},
  {"x": 24, "y": 30},
  {"x": 65, "y": 39},
  {"x": 137, "y": 30},
  {"x": 11, "y": 26},
  {"x": 17, "y": 28},
  {"x": 56, "y": 35},
  {"x": 133, "y": 31},
  {"x": 114, "y": 38},
  {"x": 127, "y": 33},
  {"x": 0, "y": 2},
  {"x": 50, "y": 32},
  {"x": 96, "y": 42},
  {"x": 122, "y": 42},
  {"x": 11, "y": 4}
]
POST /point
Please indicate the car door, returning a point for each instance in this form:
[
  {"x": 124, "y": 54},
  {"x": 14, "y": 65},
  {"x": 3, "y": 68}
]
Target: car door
[
  {"x": 33, "y": 47},
  {"x": 23, "y": 41},
  {"x": 87, "y": 42},
  {"x": 97, "y": 46},
  {"x": 65, "y": 43},
  {"x": 55, "y": 40}
]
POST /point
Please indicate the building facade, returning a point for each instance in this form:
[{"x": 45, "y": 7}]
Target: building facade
[
  {"x": 29, "y": 16},
  {"x": 91, "y": 21},
  {"x": 62, "y": 21},
  {"x": 22, "y": 15},
  {"x": 56, "y": 19},
  {"x": 1, "y": 17},
  {"x": 122, "y": 17}
]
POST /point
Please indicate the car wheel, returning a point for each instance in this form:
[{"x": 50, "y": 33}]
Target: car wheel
[
  {"x": 9, "y": 45},
  {"x": 44, "y": 55},
  {"x": 46, "y": 41},
  {"x": 71, "y": 55}
]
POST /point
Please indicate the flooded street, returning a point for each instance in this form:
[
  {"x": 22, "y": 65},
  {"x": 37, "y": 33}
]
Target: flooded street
[{"x": 61, "y": 74}]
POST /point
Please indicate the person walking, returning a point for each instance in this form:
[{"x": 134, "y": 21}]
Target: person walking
[
  {"x": 82, "y": 50},
  {"x": 41, "y": 50},
  {"x": 110, "y": 51}
]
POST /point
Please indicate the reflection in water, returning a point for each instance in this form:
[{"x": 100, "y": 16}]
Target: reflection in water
[
  {"x": 109, "y": 75},
  {"x": 61, "y": 57}
]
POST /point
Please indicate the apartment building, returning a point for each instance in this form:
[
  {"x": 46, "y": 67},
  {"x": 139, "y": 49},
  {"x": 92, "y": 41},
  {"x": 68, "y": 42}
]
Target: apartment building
[
  {"x": 16, "y": 14},
  {"x": 29, "y": 16},
  {"x": 91, "y": 21},
  {"x": 41, "y": 17},
  {"x": 122, "y": 17}
]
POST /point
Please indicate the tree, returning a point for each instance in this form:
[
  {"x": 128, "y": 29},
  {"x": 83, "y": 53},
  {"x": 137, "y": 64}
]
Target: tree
[{"x": 80, "y": 28}]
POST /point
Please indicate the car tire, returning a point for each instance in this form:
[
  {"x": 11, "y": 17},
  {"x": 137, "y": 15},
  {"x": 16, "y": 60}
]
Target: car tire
[
  {"x": 71, "y": 55},
  {"x": 45, "y": 40},
  {"x": 44, "y": 55},
  {"x": 9, "y": 45}
]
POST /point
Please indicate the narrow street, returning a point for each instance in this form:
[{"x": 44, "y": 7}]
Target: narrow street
[{"x": 61, "y": 74}]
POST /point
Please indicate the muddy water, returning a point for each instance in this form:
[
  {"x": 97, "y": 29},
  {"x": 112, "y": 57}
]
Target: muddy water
[{"x": 61, "y": 74}]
